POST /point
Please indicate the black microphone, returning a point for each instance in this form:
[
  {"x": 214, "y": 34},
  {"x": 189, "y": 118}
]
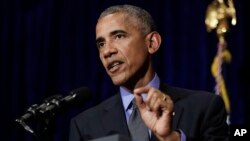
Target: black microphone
[
  {"x": 54, "y": 104},
  {"x": 77, "y": 97}
]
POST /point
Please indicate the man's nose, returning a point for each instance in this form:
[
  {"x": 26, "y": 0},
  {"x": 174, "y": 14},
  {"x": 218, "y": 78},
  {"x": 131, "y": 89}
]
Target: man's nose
[{"x": 109, "y": 50}]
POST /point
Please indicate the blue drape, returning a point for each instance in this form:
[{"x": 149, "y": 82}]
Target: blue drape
[{"x": 48, "y": 47}]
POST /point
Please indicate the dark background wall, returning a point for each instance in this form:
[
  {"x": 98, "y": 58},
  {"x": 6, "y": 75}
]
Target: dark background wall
[{"x": 47, "y": 47}]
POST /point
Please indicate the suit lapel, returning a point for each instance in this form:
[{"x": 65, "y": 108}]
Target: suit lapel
[
  {"x": 176, "y": 117},
  {"x": 114, "y": 120},
  {"x": 175, "y": 97}
]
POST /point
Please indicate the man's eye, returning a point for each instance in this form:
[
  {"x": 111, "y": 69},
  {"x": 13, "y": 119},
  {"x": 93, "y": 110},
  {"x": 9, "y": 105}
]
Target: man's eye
[
  {"x": 100, "y": 45},
  {"x": 119, "y": 36}
]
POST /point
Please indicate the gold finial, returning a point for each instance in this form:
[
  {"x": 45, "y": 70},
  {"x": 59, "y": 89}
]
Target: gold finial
[{"x": 217, "y": 15}]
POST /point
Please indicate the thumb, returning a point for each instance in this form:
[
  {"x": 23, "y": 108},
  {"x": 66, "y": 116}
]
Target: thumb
[{"x": 139, "y": 101}]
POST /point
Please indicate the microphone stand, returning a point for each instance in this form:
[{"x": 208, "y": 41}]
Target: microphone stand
[
  {"x": 46, "y": 129},
  {"x": 43, "y": 116},
  {"x": 42, "y": 119}
]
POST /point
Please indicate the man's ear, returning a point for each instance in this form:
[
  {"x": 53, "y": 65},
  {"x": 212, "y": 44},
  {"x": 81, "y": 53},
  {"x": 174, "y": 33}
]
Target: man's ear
[{"x": 154, "y": 42}]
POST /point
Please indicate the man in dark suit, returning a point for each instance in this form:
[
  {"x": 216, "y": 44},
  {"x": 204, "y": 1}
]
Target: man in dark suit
[{"x": 126, "y": 38}]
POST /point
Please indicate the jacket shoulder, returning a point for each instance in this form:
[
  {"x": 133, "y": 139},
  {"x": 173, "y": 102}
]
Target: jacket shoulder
[{"x": 95, "y": 111}]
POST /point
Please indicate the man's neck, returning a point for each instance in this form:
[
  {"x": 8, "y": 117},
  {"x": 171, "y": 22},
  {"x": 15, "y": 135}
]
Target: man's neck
[{"x": 140, "y": 83}]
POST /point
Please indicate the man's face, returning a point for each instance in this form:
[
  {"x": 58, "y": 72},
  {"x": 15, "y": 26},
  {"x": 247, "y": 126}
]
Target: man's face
[{"x": 122, "y": 47}]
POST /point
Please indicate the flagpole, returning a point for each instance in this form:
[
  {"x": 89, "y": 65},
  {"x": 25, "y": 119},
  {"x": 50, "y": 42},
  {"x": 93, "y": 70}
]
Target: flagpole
[{"x": 217, "y": 15}]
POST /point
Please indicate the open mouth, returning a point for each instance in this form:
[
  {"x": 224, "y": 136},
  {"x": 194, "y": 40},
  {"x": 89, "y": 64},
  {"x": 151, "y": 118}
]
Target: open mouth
[{"x": 113, "y": 66}]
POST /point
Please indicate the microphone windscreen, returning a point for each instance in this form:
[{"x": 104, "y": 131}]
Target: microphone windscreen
[{"x": 78, "y": 96}]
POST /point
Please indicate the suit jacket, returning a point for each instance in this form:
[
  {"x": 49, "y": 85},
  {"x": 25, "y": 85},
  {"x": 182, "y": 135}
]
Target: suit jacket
[{"x": 200, "y": 115}]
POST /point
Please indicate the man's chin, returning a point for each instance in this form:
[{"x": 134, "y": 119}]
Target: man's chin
[{"x": 118, "y": 82}]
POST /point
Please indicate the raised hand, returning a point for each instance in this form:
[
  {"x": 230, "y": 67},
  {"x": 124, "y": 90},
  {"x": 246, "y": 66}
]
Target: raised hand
[{"x": 156, "y": 112}]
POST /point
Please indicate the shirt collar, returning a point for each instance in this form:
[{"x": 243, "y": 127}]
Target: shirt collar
[{"x": 127, "y": 96}]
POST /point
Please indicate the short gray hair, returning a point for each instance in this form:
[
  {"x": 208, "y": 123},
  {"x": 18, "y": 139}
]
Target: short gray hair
[{"x": 143, "y": 18}]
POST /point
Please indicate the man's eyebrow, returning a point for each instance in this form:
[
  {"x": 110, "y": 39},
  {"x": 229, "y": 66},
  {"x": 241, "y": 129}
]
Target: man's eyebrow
[
  {"x": 99, "y": 39},
  {"x": 117, "y": 31}
]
